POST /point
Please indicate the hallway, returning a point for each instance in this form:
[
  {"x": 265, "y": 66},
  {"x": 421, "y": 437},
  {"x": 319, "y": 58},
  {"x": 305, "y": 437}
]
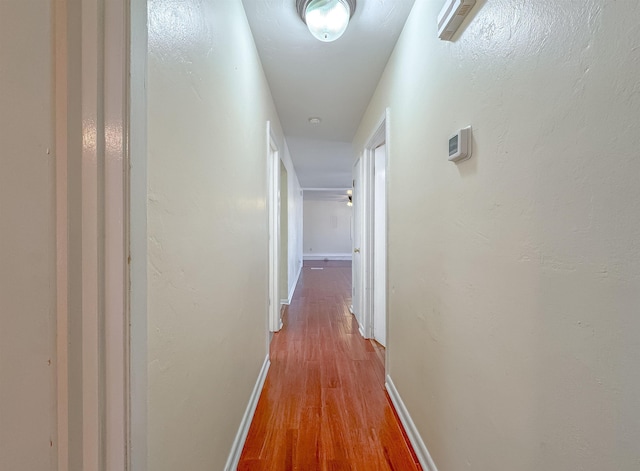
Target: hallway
[
  {"x": 138, "y": 195},
  {"x": 324, "y": 405}
]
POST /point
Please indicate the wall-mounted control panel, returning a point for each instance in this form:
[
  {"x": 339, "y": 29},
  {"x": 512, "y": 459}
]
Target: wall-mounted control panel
[{"x": 460, "y": 145}]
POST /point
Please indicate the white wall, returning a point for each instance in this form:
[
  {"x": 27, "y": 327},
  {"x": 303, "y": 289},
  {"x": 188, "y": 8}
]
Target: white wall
[
  {"x": 327, "y": 229},
  {"x": 27, "y": 237},
  {"x": 208, "y": 104},
  {"x": 514, "y": 276}
]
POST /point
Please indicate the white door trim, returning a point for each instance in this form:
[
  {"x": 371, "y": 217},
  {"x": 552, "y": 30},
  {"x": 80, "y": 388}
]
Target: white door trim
[
  {"x": 92, "y": 118},
  {"x": 379, "y": 135},
  {"x": 62, "y": 229},
  {"x": 116, "y": 227},
  {"x": 273, "y": 172},
  {"x": 137, "y": 388},
  {"x": 380, "y": 246},
  {"x": 357, "y": 272}
]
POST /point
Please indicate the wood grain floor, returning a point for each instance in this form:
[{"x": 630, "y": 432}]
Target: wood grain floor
[{"x": 324, "y": 406}]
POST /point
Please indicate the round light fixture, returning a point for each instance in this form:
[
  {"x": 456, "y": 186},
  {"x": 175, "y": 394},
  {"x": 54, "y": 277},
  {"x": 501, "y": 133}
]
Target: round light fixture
[
  {"x": 327, "y": 20},
  {"x": 314, "y": 120}
]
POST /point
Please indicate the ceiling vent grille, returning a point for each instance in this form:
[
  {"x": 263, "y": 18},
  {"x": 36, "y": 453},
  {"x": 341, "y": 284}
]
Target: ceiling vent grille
[{"x": 451, "y": 17}]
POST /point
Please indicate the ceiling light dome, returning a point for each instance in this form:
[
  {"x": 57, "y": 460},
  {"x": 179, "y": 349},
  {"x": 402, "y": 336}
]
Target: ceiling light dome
[{"x": 327, "y": 20}]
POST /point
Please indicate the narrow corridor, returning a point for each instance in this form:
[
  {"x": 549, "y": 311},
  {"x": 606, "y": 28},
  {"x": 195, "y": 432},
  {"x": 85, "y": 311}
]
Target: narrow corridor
[{"x": 324, "y": 406}]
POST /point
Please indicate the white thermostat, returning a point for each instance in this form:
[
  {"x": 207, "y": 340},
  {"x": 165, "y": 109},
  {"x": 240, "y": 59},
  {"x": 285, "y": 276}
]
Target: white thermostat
[{"x": 460, "y": 145}]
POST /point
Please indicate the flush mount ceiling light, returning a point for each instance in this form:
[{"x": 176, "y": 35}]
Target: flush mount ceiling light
[
  {"x": 326, "y": 19},
  {"x": 314, "y": 120}
]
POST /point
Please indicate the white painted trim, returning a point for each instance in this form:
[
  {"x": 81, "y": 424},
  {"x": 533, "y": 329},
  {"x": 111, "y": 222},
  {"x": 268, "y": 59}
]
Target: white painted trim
[
  {"x": 360, "y": 329},
  {"x": 273, "y": 172},
  {"x": 328, "y": 256},
  {"x": 138, "y": 344},
  {"x": 379, "y": 289},
  {"x": 92, "y": 202},
  {"x": 366, "y": 245},
  {"x": 378, "y": 136},
  {"x": 92, "y": 116},
  {"x": 357, "y": 270},
  {"x": 243, "y": 430},
  {"x": 424, "y": 457},
  {"x": 116, "y": 233},
  {"x": 62, "y": 230},
  {"x": 293, "y": 288}
]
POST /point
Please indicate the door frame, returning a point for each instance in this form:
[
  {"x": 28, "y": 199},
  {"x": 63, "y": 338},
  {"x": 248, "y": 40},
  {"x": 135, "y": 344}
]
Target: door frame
[
  {"x": 357, "y": 276},
  {"x": 92, "y": 48},
  {"x": 379, "y": 244},
  {"x": 273, "y": 203},
  {"x": 380, "y": 135}
]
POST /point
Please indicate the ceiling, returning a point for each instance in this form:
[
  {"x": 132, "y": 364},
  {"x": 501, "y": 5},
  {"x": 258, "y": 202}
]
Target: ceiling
[{"x": 332, "y": 81}]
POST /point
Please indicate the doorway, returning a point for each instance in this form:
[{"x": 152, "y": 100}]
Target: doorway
[
  {"x": 274, "y": 163},
  {"x": 283, "y": 208},
  {"x": 370, "y": 235},
  {"x": 380, "y": 245},
  {"x": 357, "y": 278}
]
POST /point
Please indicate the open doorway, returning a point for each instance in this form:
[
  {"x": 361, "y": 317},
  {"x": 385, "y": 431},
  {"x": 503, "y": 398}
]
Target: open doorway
[
  {"x": 274, "y": 165},
  {"x": 380, "y": 244},
  {"x": 283, "y": 209},
  {"x": 279, "y": 253},
  {"x": 370, "y": 238}
]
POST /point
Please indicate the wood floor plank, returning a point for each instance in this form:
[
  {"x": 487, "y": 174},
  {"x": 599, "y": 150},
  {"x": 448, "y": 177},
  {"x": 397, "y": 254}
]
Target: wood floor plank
[{"x": 324, "y": 406}]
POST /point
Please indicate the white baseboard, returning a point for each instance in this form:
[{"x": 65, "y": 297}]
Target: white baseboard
[
  {"x": 295, "y": 284},
  {"x": 293, "y": 288},
  {"x": 327, "y": 256},
  {"x": 243, "y": 430},
  {"x": 412, "y": 432}
]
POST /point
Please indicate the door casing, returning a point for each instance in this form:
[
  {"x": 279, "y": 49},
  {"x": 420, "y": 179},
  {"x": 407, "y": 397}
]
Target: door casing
[
  {"x": 92, "y": 157},
  {"x": 364, "y": 290},
  {"x": 273, "y": 163},
  {"x": 380, "y": 247}
]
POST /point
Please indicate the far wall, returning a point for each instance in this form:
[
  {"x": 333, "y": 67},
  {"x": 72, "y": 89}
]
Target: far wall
[{"x": 327, "y": 229}]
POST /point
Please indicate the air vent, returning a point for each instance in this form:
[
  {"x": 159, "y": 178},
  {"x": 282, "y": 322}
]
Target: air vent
[{"x": 451, "y": 16}]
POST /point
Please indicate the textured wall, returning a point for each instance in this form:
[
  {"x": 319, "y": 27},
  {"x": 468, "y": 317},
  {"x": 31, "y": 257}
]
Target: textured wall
[
  {"x": 208, "y": 104},
  {"x": 27, "y": 237},
  {"x": 514, "y": 277}
]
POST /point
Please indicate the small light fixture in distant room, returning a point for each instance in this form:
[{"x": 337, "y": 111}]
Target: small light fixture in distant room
[
  {"x": 315, "y": 120},
  {"x": 327, "y": 20}
]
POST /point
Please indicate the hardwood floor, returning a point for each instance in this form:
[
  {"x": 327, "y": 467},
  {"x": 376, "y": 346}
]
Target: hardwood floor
[{"x": 323, "y": 406}]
